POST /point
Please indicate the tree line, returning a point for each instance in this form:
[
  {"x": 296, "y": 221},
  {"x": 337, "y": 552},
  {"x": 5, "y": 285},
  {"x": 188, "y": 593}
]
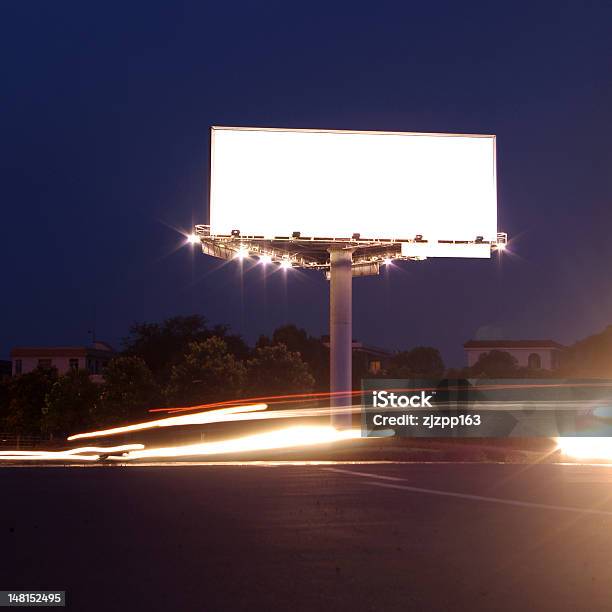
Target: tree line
[{"x": 183, "y": 361}]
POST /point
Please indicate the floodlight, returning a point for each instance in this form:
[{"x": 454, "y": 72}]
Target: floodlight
[
  {"x": 387, "y": 261},
  {"x": 242, "y": 252},
  {"x": 500, "y": 246},
  {"x": 193, "y": 239},
  {"x": 265, "y": 259},
  {"x": 286, "y": 264}
]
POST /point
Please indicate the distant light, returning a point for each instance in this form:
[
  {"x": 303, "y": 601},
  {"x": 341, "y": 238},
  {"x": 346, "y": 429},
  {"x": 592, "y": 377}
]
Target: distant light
[
  {"x": 242, "y": 252},
  {"x": 387, "y": 261},
  {"x": 193, "y": 239},
  {"x": 500, "y": 246},
  {"x": 265, "y": 259},
  {"x": 286, "y": 264}
]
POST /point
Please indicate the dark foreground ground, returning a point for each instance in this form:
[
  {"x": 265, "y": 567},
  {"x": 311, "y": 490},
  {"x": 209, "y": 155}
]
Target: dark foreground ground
[{"x": 335, "y": 537}]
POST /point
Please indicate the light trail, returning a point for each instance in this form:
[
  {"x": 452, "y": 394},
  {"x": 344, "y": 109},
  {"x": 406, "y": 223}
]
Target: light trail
[
  {"x": 322, "y": 395},
  {"x": 288, "y": 437},
  {"x": 200, "y": 418},
  {"x": 226, "y": 415},
  {"x": 81, "y": 454},
  {"x": 278, "y": 439},
  {"x": 586, "y": 447},
  {"x": 268, "y": 399}
]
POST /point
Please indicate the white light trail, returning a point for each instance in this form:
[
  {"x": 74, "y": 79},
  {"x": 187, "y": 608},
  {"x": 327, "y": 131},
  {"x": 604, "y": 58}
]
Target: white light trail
[
  {"x": 289, "y": 437},
  {"x": 85, "y": 453},
  {"x": 199, "y": 418}
]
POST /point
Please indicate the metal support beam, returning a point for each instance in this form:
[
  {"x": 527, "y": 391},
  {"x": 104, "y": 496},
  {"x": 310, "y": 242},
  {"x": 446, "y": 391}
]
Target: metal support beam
[{"x": 341, "y": 332}]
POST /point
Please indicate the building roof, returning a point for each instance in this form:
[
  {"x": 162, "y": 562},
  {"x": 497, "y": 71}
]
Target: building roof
[
  {"x": 512, "y": 344},
  {"x": 358, "y": 346},
  {"x": 60, "y": 351}
]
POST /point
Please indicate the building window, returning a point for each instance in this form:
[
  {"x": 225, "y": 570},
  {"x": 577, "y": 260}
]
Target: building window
[
  {"x": 74, "y": 364},
  {"x": 374, "y": 366},
  {"x": 18, "y": 366},
  {"x": 534, "y": 362},
  {"x": 45, "y": 364}
]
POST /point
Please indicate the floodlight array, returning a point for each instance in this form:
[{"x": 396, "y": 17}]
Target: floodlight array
[{"x": 297, "y": 251}]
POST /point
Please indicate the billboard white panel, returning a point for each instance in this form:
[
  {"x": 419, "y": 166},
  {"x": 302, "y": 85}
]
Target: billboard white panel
[{"x": 273, "y": 182}]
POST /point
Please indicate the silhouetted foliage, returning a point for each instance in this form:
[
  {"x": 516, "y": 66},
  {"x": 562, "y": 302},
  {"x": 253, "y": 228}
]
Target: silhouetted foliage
[
  {"x": 276, "y": 370},
  {"x": 163, "y": 345},
  {"x": 70, "y": 404},
  {"x": 311, "y": 349},
  {"x": 591, "y": 357},
  {"x": 26, "y": 401},
  {"x": 208, "y": 372},
  {"x": 419, "y": 362},
  {"x": 496, "y": 364},
  {"x": 129, "y": 390}
]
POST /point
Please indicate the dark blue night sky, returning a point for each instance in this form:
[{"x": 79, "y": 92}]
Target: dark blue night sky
[{"x": 104, "y": 117}]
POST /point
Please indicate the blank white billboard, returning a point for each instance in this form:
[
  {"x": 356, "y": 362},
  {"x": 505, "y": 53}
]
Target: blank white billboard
[{"x": 381, "y": 185}]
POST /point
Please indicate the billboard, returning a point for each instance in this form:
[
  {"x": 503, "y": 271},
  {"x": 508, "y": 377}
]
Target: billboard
[{"x": 382, "y": 185}]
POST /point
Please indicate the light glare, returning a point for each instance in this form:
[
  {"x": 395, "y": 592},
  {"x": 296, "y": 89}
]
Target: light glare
[
  {"x": 586, "y": 448},
  {"x": 242, "y": 253},
  {"x": 193, "y": 239}
]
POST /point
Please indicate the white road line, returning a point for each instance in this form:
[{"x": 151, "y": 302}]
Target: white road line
[
  {"x": 495, "y": 500},
  {"x": 366, "y": 474}
]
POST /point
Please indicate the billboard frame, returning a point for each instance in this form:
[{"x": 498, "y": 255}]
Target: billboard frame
[
  {"x": 341, "y": 259},
  {"x": 372, "y": 239}
]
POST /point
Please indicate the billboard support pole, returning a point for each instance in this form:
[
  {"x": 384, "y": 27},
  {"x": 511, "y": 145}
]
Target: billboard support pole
[{"x": 341, "y": 333}]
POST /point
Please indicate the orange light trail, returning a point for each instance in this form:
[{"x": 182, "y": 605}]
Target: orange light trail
[{"x": 299, "y": 397}]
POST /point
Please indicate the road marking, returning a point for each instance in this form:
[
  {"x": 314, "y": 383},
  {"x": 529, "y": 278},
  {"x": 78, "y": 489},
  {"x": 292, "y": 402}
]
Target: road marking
[{"x": 495, "y": 500}]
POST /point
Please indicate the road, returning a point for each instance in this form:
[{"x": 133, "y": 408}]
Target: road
[{"x": 311, "y": 537}]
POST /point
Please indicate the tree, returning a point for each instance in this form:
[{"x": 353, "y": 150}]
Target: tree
[
  {"x": 26, "y": 401},
  {"x": 5, "y": 399},
  {"x": 419, "y": 362},
  {"x": 163, "y": 345},
  {"x": 311, "y": 349},
  {"x": 128, "y": 390},
  {"x": 591, "y": 357},
  {"x": 208, "y": 373},
  {"x": 70, "y": 404},
  {"x": 276, "y": 370},
  {"x": 495, "y": 364}
]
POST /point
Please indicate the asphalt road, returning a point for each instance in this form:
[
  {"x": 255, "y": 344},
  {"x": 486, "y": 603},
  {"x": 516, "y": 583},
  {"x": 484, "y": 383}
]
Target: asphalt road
[{"x": 335, "y": 537}]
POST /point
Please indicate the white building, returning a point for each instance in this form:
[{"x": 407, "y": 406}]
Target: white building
[
  {"x": 64, "y": 358},
  {"x": 533, "y": 354}
]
